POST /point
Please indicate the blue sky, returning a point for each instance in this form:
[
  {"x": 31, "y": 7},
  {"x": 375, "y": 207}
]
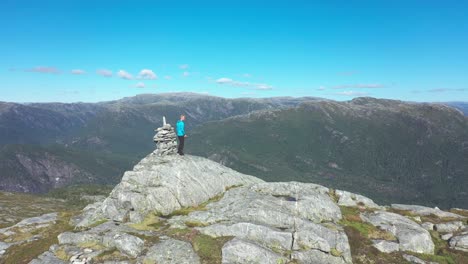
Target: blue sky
[{"x": 92, "y": 51}]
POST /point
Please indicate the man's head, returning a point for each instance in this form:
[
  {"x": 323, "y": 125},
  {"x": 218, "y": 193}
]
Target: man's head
[{"x": 182, "y": 117}]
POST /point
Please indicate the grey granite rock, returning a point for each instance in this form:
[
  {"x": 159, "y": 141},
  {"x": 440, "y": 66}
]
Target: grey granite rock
[
  {"x": 78, "y": 238},
  {"x": 262, "y": 235},
  {"x": 411, "y": 236},
  {"x": 171, "y": 251},
  {"x": 47, "y": 258},
  {"x": 128, "y": 244},
  {"x": 30, "y": 224},
  {"x": 423, "y": 210},
  {"x": 238, "y": 251},
  {"x": 3, "y": 247},
  {"x": 446, "y": 236},
  {"x": 386, "y": 246},
  {"x": 428, "y": 226},
  {"x": 416, "y": 260},
  {"x": 351, "y": 199},
  {"x": 165, "y": 184},
  {"x": 460, "y": 242},
  {"x": 275, "y": 217},
  {"x": 316, "y": 256},
  {"x": 449, "y": 226}
]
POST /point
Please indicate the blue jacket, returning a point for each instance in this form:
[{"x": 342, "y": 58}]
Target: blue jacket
[{"x": 180, "y": 128}]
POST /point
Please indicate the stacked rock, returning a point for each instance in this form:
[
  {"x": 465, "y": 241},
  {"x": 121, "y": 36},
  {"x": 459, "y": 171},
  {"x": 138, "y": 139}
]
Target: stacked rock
[{"x": 166, "y": 140}]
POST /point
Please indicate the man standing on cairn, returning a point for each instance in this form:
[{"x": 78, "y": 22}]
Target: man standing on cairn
[{"x": 180, "y": 128}]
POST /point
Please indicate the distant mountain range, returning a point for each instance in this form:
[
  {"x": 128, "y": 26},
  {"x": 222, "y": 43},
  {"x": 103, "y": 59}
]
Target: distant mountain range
[
  {"x": 382, "y": 148},
  {"x": 50, "y": 145},
  {"x": 462, "y": 106},
  {"x": 389, "y": 150}
]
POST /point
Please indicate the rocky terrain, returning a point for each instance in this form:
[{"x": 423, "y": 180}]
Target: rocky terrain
[{"x": 188, "y": 209}]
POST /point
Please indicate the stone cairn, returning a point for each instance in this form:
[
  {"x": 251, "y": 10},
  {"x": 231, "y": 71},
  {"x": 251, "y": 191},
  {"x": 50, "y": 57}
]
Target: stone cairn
[{"x": 166, "y": 140}]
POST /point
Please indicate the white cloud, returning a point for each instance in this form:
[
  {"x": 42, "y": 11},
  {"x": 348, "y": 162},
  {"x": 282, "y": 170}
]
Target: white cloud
[
  {"x": 124, "y": 75},
  {"x": 254, "y": 86},
  {"x": 78, "y": 72},
  {"x": 104, "y": 72},
  {"x": 360, "y": 85},
  {"x": 443, "y": 90},
  {"x": 352, "y": 93},
  {"x": 262, "y": 86},
  {"x": 44, "y": 69},
  {"x": 184, "y": 66},
  {"x": 224, "y": 81},
  {"x": 147, "y": 74},
  {"x": 186, "y": 74},
  {"x": 167, "y": 77},
  {"x": 140, "y": 85}
]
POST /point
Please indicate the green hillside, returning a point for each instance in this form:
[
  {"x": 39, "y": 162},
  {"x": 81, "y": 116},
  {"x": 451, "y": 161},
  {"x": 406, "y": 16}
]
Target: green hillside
[{"x": 389, "y": 150}]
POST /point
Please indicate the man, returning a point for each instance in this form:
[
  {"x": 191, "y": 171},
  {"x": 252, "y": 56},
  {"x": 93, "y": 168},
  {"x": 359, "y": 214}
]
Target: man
[{"x": 180, "y": 129}]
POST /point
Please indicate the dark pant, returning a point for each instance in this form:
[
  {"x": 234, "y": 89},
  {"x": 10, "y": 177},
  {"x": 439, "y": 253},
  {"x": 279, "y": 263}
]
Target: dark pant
[{"x": 181, "y": 145}]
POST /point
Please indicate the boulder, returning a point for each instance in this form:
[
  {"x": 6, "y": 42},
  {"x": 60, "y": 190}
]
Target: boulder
[
  {"x": 316, "y": 256},
  {"x": 47, "y": 258},
  {"x": 428, "y": 226},
  {"x": 449, "y": 226},
  {"x": 165, "y": 184},
  {"x": 262, "y": 235},
  {"x": 3, "y": 247},
  {"x": 416, "y": 260},
  {"x": 127, "y": 244},
  {"x": 276, "y": 217},
  {"x": 78, "y": 238},
  {"x": 423, "y": 210},
  {"x": 460, "y": 242},
  {"x": 386, "y": 246},
  {"x": 446, "y": 236},
  {"x": 171, "y": 251},
  {"x": 411, "y": 236},
  {"x": 351, "y": 199}
]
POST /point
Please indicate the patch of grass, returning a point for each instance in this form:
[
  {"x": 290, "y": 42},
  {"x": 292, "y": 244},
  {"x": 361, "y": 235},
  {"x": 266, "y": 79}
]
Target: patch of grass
[
  {"x": 151, "y": 222},
  {"x": 98, "y": 222},
  {"x": 352, "y": 218},
  {"x": 149, "y": 240},
  {"x": 363, "y": 252},
  {"x": 232, "y": 187},
  {"x": 335, "y": 252},
  {"x": 200, "y": 207},
  {"x": 111, "y": 254},
  {"x": 333, "y": 196},
  {"x": 91, "y": 245},
  {"x": 209, "y": 248},
  {"x": 459, "y": 212},
  {"x": 195, "y": 224},
  {"x": 437, "y": 220},
  {"x": 61, "y": 254}
]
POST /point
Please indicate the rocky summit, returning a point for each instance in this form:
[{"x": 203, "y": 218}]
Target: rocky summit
[{"x": 188, "y": 209}]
